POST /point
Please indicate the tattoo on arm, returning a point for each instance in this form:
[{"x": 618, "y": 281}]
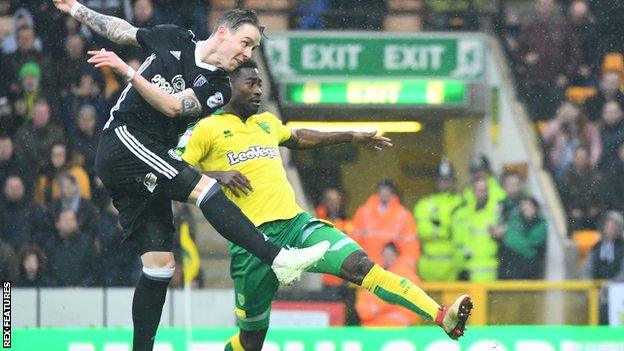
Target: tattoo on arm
[
  {"x": 113, "y": 28},
  {"x": 190, "y": 106}
]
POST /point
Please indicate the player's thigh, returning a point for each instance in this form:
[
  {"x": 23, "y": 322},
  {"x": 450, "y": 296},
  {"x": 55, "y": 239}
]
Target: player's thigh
[
  {"x": 132, "y": 162},
  {"x": 341, "y": 247},
  {"x": 255, "y": 285}
]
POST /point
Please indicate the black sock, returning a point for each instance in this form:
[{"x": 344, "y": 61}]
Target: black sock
[
  {"x": 233, "y": 225},
  {"x": 149, "y": 298}
]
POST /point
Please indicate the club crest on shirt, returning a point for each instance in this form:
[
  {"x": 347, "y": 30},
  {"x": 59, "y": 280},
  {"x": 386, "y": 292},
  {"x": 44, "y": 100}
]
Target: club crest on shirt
[
  {"x": 150, "y": 181},
  {"x": 265, "y": 126},
  {"x": 215, "y": 100}
]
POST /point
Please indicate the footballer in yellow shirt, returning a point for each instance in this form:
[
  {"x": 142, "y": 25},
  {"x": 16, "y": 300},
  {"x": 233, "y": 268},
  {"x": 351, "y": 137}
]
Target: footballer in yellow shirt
[{"x": 240, "y": 148}]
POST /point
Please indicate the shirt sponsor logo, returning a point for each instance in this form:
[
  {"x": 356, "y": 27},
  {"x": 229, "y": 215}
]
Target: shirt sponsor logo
[
  {"x": 177, "y": 84},
  {"x": 252, "y": 153},
  {"x": 215, "y": 100}
]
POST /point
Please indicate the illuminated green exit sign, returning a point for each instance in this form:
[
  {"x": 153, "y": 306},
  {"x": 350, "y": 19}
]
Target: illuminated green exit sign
[{"x": 382, "y": 92}]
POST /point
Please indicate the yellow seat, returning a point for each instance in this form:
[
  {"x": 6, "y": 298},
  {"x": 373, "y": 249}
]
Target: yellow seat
[
  {"x": 613, "y": 62},
  {"x": 580, "y": 94},
  {"x": 585, "y": 240}
]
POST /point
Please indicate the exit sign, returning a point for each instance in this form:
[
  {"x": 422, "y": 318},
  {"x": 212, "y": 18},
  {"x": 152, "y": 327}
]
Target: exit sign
[{"x": 377, "y": 92}]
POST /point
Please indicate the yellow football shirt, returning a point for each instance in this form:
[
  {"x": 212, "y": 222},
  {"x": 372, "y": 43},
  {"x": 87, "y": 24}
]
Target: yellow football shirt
[{"x": 224, "y": 142}]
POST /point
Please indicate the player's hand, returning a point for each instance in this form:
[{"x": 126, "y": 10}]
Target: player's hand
[
  {"x": 64, "y": 5},
  {"x": 103, "y": 58},
  {"x": 372, "y": 140},
  {"x": 233, "y": 180}
]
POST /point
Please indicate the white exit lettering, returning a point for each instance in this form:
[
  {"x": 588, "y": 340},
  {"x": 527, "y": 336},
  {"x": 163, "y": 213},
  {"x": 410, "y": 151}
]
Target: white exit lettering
[
  {"x": 414, "y": 57},
  {"x": 332, "y": 57}
]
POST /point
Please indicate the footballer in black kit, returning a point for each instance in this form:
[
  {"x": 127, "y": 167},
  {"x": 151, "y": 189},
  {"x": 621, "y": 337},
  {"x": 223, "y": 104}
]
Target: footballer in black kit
[
  {"x": 181, "y": 81},
  {"x": 135, "y": 157}
]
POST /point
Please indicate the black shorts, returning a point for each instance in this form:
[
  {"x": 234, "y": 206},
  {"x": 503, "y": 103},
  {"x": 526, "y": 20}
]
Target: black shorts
[{"x": 142, "y": 176}]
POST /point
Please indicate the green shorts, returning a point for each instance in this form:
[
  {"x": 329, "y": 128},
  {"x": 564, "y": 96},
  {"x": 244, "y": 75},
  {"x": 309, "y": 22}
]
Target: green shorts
[{"x": 255, "y": 283}]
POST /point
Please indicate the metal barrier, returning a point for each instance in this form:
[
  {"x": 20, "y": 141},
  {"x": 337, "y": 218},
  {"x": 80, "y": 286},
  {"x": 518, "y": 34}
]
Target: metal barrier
[{"x": 525, "y": 301}]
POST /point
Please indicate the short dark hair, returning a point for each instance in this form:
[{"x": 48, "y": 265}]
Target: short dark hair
[
  {"x": 247, "y": 64},
  {"x": 235, "y": 18}
]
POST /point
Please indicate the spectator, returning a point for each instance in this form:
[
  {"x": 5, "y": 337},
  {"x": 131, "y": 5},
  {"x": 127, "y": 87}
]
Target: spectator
[
  {"x": 47, "y": 189},
  {"x": 30, "y": 90},
  {"x": 606, "y": 259},
  {"x": 610, "y": 25},
  {"x": 612, "y": 135},
  {"x": 85, "y": 138},
  {"x": 374, "y": 312},
  {"x": 382, "y": 219},
  {"x": 480, "y": 170},
  {"x": 332, "y": 209},
  {"x": 582, "y": 192},
  {"x": 8, "y": 262},
  {"x": 27, "y": 51},
  {"x": 22, "y": 220},
  {"x": 10, "y": 164},
  {"x": 71, "y": 255},
  {"x": 88, "y": 90},
  {"x": 119, "y": 262},
  {"x": 550, "y": 53},
  {"x": 70, "y": 199},
  {"x": 359, "y": 14},
  {"x": 522, "y": 246},
  {"x": 609, "y": 91},
  {"x": 74, "y": 62},
  {"x": 22, "y": 19},
  {"x": 311, "y": 14},
  {"x": 584, "y": 26},
  {"x": 615, "y": 185},
  {"x": 451, "y": 14},
  {"x": 36, "y": 138},
  {"x": 145, "y": 15},
  {"x": 9, "y": 121},
  {"x": 563, "y": 134},
  {"x": 603, "y": 261},
  {"x": 475, "y": 252},
  {"x": 32, "y": 267},
  {"x": 434, "y": 215},
  {"x": 512, "y": 184}
]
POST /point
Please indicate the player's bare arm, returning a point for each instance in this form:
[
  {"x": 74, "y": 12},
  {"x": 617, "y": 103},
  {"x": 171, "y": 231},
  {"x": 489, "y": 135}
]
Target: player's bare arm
[
  {"x": 113, "y": 28},
  {"x": 184, "y": 103},
  {"x": 311, "y": 139}
]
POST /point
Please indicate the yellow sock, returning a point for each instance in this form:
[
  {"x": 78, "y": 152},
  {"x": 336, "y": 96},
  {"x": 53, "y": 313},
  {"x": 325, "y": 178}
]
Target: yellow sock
[
  {"x": 395, "y": 290},
  {"x": 234, "y": 344}
]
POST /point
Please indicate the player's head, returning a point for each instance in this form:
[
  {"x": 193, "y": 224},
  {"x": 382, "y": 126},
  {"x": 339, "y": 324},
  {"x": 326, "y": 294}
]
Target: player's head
[
  {"x": 246, "y": 89},
  {"x": 238, "y": 33}
]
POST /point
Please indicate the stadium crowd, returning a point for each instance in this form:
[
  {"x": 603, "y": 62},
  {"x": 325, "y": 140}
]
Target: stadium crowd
[{"x": 59, "y": 228}]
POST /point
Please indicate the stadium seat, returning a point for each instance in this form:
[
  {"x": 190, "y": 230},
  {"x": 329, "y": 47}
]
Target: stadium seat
[
  {"x": 405, "y": 5},
  {"x": 580, "y": 94},
  {"x": 613, "y": 62},
  {"x": 263, "y": 5},
  {"x": 402, "y": 23},
  {"x": 585, "y": 240},
  {"x": 274, "y": 20}
]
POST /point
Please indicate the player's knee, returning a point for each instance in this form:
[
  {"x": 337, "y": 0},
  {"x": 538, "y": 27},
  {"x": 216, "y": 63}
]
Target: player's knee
[
  {"x": 158, "y": 260},
  {"x": 356, "y": 266},
  {"x": 204, "y": 190},
  {"x": 252, "y": 340}
]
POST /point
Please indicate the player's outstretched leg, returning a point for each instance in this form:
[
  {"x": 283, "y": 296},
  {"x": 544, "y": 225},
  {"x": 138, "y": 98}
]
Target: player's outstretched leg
[
  {"x": 233, "y": 225},
  {"x": 149, "y": 298},
  {"x": 394, "y": 289}
]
